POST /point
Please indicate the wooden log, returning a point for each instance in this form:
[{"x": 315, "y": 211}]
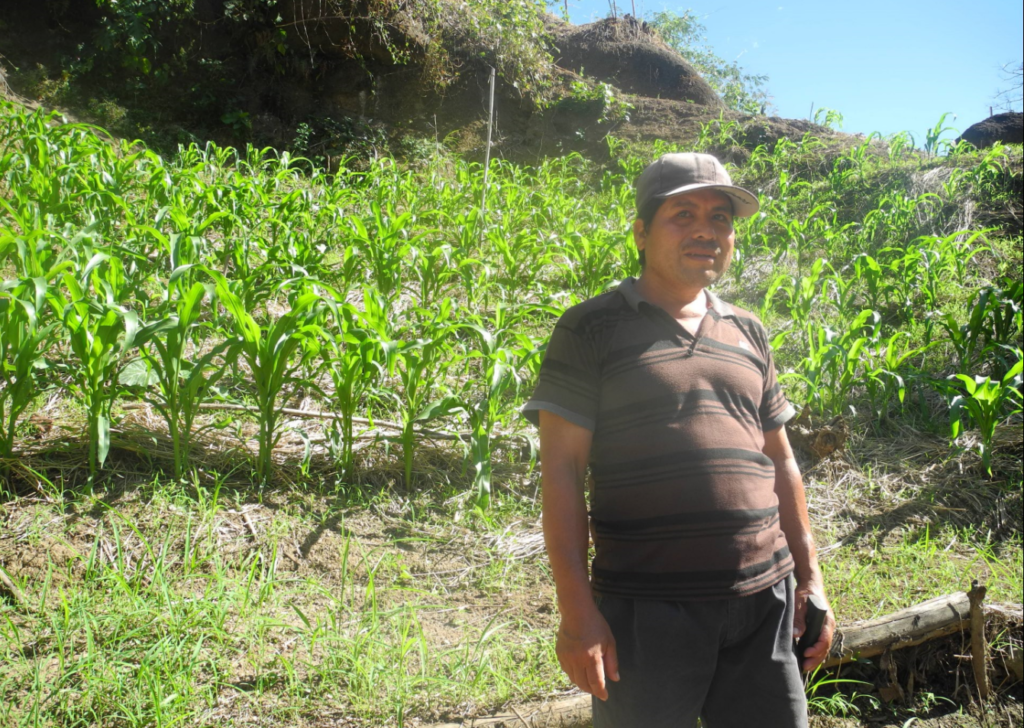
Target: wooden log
[
  {"x": 912, "y": 626},
  {"x": 979, "y": 645}
]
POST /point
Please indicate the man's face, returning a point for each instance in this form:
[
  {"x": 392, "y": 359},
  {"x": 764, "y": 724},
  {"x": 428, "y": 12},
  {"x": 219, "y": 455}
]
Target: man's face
[{"x": 690, "y": 240}]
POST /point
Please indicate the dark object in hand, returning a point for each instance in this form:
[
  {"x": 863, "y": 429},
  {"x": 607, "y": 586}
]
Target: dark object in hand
[{"x": 814, "y": 619}]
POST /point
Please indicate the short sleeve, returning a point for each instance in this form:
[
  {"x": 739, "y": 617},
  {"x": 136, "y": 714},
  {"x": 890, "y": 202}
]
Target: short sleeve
[
  {"x": 775, "y": 410},
  {"x": 569, "y": 384}
]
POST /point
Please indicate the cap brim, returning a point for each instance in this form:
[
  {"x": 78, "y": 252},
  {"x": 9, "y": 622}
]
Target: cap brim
[{"x": 744, "y": 203}]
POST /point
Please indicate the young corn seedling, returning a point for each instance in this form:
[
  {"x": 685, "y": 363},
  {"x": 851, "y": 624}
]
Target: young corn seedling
[
  {"x": 384, "y": 246},
  {"x": 274, "y": 353},
  {"x": 887, "y": 363},
  {"x": 805, "y": 293},
  {"x": 181, "y": 384},
  {"x": 420, "y": 366},
  {"x": 988, "y": 402},
  {"x": 969, "y": 339},
  {"x": 934, "y": 143},
  {"x": 834, "y": 363},
  {"x": 101, "y": 332},
  {"x": 355, "y": 362},
  {"x": 24, "y": 341},
  {"x": 434, "y": 268},
  {"x": 502, "y": 354}
]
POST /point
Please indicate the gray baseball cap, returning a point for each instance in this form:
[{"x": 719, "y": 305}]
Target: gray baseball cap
[{"x": 673, "y": 174}]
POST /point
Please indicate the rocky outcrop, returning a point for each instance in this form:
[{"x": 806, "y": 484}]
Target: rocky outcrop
[
  {"x": 629, "y": 55},
  {"x": 1007, "y": 128}
]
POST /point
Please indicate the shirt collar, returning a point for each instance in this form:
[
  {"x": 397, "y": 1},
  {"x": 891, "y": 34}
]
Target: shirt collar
[{"x": 628, "y": 290}]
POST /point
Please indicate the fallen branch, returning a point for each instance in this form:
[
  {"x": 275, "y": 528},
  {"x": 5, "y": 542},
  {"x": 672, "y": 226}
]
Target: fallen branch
[{"x": 908, "y": 627}]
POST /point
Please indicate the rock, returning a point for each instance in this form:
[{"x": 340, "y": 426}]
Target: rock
[
  {"x": 1007, "y": 128},
  {"x": 819, "y": 441},
  {"x": 629, "y": 55}
]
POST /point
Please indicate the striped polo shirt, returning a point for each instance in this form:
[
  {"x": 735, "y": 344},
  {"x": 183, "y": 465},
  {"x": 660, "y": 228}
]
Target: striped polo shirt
[{"x": 683, "y": 503}]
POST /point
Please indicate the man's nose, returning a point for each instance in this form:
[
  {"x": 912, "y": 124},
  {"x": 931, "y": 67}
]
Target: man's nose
[{"x": 703, "y": 229}]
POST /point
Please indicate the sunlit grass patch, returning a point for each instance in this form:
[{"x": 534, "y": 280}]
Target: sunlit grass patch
[{"x": 160, "y": 609}]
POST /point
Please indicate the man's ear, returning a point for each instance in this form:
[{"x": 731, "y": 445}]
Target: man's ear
[{"x": 639, "y": 234}]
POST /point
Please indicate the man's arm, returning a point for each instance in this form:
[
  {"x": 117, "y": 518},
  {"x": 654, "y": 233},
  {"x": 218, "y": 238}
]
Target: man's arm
[
  {"x": 789, "y": 487},
  {"x": 585, "y": 646}
]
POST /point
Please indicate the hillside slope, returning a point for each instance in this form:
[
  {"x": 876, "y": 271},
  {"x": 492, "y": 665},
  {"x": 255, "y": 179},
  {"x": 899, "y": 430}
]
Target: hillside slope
[{"x": 339, "y": 78}]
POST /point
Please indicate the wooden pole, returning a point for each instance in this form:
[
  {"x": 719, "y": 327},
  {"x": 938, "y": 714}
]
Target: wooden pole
[
  {"x": 979, "y": 645},
  {"x": 487, "y": 154}
]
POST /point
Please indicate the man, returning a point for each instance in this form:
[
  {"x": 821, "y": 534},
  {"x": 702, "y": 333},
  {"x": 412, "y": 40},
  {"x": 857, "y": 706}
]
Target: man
[{"x": 698, "y": 515}]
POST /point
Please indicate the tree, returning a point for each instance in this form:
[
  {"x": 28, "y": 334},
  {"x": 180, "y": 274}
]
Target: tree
[
  {"x": 741, "y": 91},
  {"x": 1012, "y": 94}
]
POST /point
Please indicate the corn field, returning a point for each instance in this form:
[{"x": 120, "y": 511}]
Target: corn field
[{"x": 380, "y": 295}]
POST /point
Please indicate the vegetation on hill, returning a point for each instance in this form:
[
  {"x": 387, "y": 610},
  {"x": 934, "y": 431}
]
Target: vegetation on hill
[
  {"x": 339, "y": 78},
  {"x": 739, "y": 89}
]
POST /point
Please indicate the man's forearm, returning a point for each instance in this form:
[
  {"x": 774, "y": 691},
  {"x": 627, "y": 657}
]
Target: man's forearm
[
  {"x": 795, "y": 522},
  {"x": 585, "y": 645},
  {"x": 793, "y": 518},
  {"x": 567, "y": 538}
]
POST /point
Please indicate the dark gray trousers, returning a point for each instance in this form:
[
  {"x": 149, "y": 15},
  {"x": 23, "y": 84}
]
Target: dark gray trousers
[{"x": 728, "y": 661}]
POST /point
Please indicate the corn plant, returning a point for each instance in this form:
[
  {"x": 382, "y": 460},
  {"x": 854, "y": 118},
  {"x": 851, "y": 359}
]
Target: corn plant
[
  {"x": 502, "y": 353},
  {"x": 834, "y": 363},
  {"x": 434, "y": 268},
  {"x": 384, "y": 245},
  {"x": 102, "y": 333},
  {"x": 274, "y": 354},
  {"x": 24, "y": 341},
  {"x": 357, "y": 359},
  {"x": 420, "y": 366},
  {"x": 886, "y": 364},
  {"x": 182, "y": 383},
  {"x": 592, "y": 259},
  {"x": 991, "y": 318},
  {"x": 1005, "y": 320},
  {"x": 898, "y": 144},
  {"x": 934, "y": 142},
  {"x": 988, "y": 402},
  {"x": 805, "y": 292},
  {"x": 872, "y": 275}
]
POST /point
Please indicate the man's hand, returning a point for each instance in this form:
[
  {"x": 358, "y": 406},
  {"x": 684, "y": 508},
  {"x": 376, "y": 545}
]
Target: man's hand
[
  {"x": 586, "y": 652},
  {"x": 789, "y": 487},
  {"x": 816, "y": 653}
]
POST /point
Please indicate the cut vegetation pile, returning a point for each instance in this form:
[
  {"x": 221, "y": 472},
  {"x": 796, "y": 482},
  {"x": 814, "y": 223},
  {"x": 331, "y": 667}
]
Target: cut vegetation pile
[{"x": 259, "y": 428}]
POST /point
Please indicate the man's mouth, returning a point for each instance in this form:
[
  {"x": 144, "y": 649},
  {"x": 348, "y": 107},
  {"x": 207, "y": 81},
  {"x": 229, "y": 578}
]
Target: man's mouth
[{"x": 701, "y": 255}]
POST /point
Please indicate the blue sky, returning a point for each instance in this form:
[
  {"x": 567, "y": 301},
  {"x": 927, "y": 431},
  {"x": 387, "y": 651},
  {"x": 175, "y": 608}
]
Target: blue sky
[{"x": 885, "y": 66}]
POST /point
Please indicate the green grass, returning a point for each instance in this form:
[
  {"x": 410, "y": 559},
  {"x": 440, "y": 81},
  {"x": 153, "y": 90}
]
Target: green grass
[
  {"x": 160, "y": 609},
  {"x": 150, "y": 605},
  {"x": 879, "y": 576}
]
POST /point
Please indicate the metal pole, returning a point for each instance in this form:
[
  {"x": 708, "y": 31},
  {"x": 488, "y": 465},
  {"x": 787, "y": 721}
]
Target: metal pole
[{"x": 487, "y": 154}]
